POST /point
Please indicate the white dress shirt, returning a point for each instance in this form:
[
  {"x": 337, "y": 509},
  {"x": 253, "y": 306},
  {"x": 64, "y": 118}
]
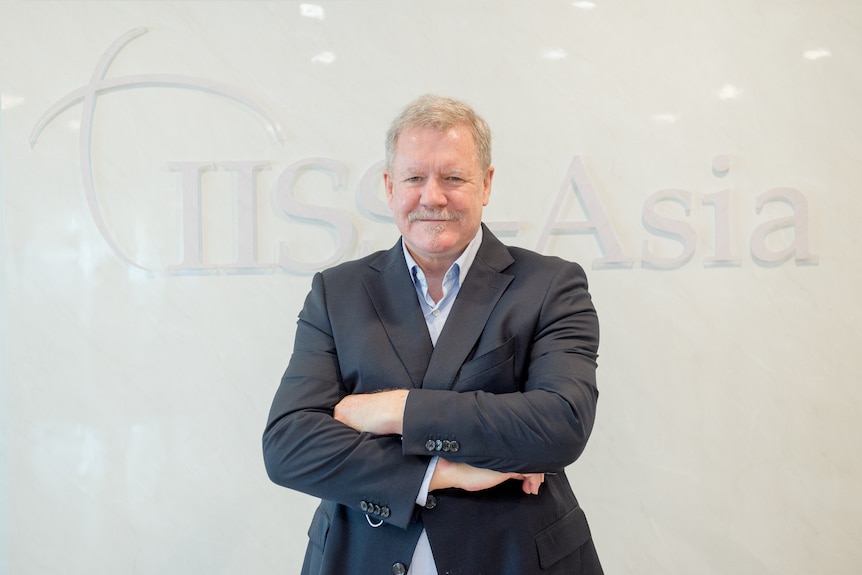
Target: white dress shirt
[{"x": 436, "y": 314}]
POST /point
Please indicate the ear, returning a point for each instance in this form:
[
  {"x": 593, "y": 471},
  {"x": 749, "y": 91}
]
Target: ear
[
  {"x": 388, "y": 183},
  {"x": 486, "y": 185}
]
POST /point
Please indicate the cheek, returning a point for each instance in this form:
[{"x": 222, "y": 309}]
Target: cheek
[
  {"x": 401, "y": 203},
  {"x": 394, "y": 202},
  {"x": 475, "y": 209}
]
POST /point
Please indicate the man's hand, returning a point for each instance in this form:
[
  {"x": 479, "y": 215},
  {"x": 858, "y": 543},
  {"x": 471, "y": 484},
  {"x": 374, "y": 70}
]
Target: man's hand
[
  {"x": 380, "y": 413},
  {"x": 463, "y": 476},
  {"x": 531, "y": 482}
]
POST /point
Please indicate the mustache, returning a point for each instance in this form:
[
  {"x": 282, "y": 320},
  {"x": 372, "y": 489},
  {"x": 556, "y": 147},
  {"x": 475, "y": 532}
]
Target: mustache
[{"x": 433, "y": 215}]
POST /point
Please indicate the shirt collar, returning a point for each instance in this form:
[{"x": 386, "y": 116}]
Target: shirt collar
[{"x": 463, "y": 263}]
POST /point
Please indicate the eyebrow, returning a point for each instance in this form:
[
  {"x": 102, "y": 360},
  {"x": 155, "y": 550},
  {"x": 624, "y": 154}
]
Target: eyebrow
[
  {"x": 412, "y": 170},
  {"x": 420, "y": 170}
]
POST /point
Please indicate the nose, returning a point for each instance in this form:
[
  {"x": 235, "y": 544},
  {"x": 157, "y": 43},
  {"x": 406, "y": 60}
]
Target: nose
[{"x": 433, "y": 193}]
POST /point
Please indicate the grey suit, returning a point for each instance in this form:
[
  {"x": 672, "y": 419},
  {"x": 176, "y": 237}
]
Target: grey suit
[{"x": 509, "y": 386}]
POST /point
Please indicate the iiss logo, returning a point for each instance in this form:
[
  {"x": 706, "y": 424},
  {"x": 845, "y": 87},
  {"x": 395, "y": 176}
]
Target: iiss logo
[
  {"x": 594, "y": 223},
  {"x": 99, "y": 85}
]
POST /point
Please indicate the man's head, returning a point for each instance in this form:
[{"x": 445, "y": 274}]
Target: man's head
[{"x": 438, "y": 178}]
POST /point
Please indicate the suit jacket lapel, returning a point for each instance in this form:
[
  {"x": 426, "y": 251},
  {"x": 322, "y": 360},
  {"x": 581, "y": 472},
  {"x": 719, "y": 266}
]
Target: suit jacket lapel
[
  {"x": 482, "y": 289},
  {"x": 393, "y": 295}
]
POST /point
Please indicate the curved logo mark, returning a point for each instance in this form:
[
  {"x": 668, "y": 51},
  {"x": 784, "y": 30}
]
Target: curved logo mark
[{"x": 99, "y": 85}]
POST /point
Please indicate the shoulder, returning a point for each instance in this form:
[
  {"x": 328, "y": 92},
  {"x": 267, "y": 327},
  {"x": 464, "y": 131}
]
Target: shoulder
[
  {"x": 517, "y": 260},
  {"x": 372, "y": 263},
  {"x": 541, "y": 267}
]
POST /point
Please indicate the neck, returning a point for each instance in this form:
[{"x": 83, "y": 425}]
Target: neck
[{"x": 434, "y": 270}]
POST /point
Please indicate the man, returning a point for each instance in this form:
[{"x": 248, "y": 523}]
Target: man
[{"x": 438, "y": 390}]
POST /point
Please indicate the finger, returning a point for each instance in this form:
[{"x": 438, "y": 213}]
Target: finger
[{"x": 530, "y": 484}]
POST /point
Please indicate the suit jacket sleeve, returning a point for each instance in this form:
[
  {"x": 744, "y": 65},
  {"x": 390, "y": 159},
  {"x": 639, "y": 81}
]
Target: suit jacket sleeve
[
  {"x": 527, "y": 402},
  {"x": 307, "y": 450}
]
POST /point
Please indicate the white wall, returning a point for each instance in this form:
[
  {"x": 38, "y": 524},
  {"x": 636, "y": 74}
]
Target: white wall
[{"x": 138, "y": 374}]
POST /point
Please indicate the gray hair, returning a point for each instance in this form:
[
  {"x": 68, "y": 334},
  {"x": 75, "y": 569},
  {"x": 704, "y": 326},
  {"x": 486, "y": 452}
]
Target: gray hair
[{"x": 440, "y": 113}]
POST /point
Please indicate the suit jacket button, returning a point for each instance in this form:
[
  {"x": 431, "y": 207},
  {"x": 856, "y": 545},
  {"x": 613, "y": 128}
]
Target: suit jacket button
[
  {"x": 385, "y": 512},
  {"x": 446, "y": 445},
  {"x": 454, "y": 446},
  {"x": 438, "y": 445},
  {"x": 363, "y": 505},
  {"x": 430, "y": 445},
  {"x": 376, "y": 510},
  {"x": 430, "y": 502},
  {"x": 399, "y": 569}
]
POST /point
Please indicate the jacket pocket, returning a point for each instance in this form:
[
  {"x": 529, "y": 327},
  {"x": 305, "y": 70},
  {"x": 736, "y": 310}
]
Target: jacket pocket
[
  {"x": 493, "y": 371},
  {"x": 562, "y": 537}
]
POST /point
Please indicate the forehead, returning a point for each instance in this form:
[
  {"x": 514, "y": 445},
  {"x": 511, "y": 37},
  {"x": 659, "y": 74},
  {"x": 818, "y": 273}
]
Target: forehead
[{"x": 421, "y": 145}]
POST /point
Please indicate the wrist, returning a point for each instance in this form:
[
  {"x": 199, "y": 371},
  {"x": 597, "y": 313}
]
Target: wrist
[
  {"x": 442, "y": 476},
  {"x": 399, "y": 404}
]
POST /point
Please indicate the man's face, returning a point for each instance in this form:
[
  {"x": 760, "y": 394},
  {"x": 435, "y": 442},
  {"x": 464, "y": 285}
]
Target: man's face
[{"x": 436, "y": 190}]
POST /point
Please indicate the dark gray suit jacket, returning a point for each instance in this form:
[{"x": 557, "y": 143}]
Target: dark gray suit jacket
[{"x": 509, "y": 386}]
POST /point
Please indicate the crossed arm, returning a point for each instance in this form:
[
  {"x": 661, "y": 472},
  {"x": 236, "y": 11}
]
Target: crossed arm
[{"x": 383, "y": 414}]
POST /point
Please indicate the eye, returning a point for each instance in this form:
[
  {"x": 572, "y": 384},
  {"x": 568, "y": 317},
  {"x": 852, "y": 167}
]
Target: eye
[{"x": 413, "y": 179}]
